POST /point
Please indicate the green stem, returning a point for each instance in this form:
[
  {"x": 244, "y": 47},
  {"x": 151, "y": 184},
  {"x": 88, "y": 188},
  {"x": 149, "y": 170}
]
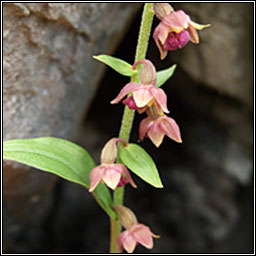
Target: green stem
[
  {"x": 114, "y": 232},
  {"x": 128, "y": 116}
]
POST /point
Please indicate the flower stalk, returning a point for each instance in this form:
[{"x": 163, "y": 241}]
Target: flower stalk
[{"x": 128, "y": 116}]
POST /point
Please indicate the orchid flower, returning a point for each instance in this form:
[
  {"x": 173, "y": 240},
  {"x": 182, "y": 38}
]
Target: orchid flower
[
  {"x": 135, "y": 232},
  {"x": 175, "y": 30},
  {"x": 157, "y": 127},
  {"x": 144, "y": 94},
  {"x": 108, "y": 172}
]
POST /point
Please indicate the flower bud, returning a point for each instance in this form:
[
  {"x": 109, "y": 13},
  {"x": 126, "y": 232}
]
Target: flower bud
[
  {"x": 126, "y": 216},
  {"x": 109, "y": 152},
  {"x": 162, "y": 9},
  {"x": 148, "y": 72}
]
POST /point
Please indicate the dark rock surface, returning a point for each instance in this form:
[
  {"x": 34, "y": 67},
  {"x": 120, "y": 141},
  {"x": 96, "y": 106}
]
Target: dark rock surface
[{"x": 207, "y": 202}]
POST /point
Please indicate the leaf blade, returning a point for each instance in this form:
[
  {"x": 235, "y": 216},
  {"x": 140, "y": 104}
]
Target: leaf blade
[
  {"x": 40, "y": 154},
  {"x": 163, "y": 75},
  {"x": 60, "y": 157},
  {"x": 140, "y": 162},
  {"x": 120, "y": 66}
]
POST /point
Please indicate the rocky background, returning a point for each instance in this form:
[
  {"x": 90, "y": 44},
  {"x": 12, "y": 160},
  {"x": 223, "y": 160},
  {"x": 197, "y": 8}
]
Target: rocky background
[{"x": 52, "y": 87}]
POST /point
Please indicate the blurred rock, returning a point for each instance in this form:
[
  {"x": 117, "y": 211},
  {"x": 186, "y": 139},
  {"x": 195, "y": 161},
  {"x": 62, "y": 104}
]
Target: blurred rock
[
  {"x": 49, "y": 80},
  {"x": 86, "y": 233},
  {"x": 218, "y": 121},
  {"x": 27, "y": 198},
  {"x": 48, "y": 65}
]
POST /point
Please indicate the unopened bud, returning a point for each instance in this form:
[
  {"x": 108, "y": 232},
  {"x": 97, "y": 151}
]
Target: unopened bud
[
  {"x": 126, "y": 216},
  {"x": 109, "y": 152},
  {"x": 148, "y": 72},
  {"x": 162, "y": 9}
]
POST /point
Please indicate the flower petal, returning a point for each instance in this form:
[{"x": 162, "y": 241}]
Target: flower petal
[
  {"x": 126, "y": 89},
  {"x": 160, "y": 35},
  {"x": 177, "y": 21},
  {"x": 111, "y": 176},
  {"x": 160, "y": 97},
  {"x": 96, "y": 175},
  {"x": 156, "y": 134},
  {"x": 194, "y": 38},
  {"x": 198, "y": 26},
  {"x": 162, "y": 9},
  {"x": 170, "y": 128},
  {"x": 145, "y": 125},
  {"x": 142, "y": 110},
  {"x": 158, "y": 110},
  {"x": 176, "y": 40},
  {"x": 142, "y": 235},
  {"x": 121, "y": 168},
  {"x": 127, "y": 241},
  {"x": 129, "y": 101},
  {"x": 142, "y": 96},
  {"x": 123, "y": 181},
  {"x": 120, "y": 241}
]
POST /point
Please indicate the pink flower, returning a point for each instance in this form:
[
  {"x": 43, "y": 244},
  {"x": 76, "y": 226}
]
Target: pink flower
[
  {"x": 139, "y": 233},
  {"x": 135, "y": 232},
  {"x": 108, "y": 172},
  {"x": 175, "y": 30},
  {"x": 144, "y": 94},
  {"x": 157, "y": 127}
]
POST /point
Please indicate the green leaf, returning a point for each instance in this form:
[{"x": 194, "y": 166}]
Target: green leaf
[
  {"x": 104, "y": 199},
  {"x": 163, "y": 75},
  {"x": 118, "y": 65},
  {"x": 140, "y": 162},
  {"x": 60, "y": 157}
]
